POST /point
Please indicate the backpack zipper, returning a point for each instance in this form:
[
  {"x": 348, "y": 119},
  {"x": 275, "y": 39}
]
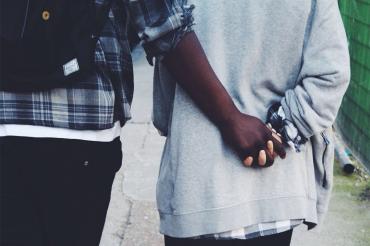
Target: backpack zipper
[{"x": 25, "y": 18}]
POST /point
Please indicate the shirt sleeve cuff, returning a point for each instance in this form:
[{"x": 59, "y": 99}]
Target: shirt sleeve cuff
[
  {"x": 282, "y": 124},
  {"x": 159, "y": 40}
]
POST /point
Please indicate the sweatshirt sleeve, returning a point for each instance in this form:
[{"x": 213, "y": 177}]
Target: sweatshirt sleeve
[{"x": 313, "y": 104}]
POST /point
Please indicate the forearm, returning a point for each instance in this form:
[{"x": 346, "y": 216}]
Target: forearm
[
  {"x": 164, "y": 26},
  {"x": 246, "y": 134},
  {"x": 189, "y": 65}
]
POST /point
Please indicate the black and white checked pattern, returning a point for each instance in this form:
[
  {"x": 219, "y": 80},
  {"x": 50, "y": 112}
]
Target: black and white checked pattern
[
  {"x": 104, "y": 97},
  {"x": 288, "y": 131},
  {"x": 258, "y": 230}
]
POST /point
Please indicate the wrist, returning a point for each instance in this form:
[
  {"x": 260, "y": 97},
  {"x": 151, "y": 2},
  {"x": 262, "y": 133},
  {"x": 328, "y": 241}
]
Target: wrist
[{"x": 229, "y": 118}]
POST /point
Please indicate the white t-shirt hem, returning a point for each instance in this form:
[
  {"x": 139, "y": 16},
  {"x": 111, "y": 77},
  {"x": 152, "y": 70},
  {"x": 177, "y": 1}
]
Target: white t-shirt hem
[{"x": 106, "y": 135}]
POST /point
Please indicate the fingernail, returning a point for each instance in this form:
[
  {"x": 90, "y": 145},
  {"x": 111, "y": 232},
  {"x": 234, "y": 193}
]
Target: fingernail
[
  {"x": 248, "y": 162},
  {"x": 270, "y": 147},
  {"x": 262, "y": 158}
]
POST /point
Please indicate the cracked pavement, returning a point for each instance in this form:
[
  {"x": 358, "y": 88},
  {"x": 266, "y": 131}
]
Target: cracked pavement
[{"x": 132, "y": 218}]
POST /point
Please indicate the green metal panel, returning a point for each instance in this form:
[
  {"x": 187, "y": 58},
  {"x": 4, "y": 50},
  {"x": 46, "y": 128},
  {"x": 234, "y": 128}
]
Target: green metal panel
[{"x": 354, "y": 116}]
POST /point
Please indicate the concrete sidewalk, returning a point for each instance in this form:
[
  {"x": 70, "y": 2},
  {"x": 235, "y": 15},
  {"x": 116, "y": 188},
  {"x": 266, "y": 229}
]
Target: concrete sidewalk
[{"x": 132, "y": 218}]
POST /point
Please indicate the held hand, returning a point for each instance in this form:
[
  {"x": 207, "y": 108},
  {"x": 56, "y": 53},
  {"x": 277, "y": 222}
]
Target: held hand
[
  {"x": 262, "y": 157},
  {"x": 253, "y": 141}
]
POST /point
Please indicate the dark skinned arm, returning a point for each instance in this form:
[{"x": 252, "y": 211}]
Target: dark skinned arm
[
  {"x": 246, "y": 134},
  {"x": 164, "y": 27}
]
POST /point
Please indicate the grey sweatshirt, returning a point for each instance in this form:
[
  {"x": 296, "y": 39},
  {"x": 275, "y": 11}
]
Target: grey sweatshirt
[{"x": 264, "y": 52}]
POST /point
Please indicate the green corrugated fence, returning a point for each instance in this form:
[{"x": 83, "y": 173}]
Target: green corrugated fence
[{"x": 354, "y": 116}]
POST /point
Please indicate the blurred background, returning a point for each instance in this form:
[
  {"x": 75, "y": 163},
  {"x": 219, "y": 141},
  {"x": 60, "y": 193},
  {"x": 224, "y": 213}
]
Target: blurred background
[
  {"x": 354, "y": 117},
  {"x": 132, "y": 217}
]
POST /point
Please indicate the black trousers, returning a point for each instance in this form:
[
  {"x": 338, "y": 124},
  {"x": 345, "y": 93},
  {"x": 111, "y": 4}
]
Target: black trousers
[
  {"x": 55, "y": 192},
  {"x": 281, "y": 239}
]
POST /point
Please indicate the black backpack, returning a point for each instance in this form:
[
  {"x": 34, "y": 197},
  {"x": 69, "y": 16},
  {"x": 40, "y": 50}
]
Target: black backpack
[{"x": 48, "y": 43}]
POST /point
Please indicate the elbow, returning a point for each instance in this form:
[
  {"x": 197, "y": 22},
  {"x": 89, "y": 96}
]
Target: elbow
[
  {"x": 331, "y": 103},
  {"x": 344, "y": 69},
  {"x": 341, "y": 82},
  {"x": 343, "y": 76}
]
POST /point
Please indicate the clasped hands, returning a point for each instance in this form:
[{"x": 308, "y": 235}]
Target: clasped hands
[{"x": 256, "y": 143}]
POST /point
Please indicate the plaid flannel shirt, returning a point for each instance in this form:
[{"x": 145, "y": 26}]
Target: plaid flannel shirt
[
  {"x": 254, "y": 231},
  {"x": 105, "y": 97}
]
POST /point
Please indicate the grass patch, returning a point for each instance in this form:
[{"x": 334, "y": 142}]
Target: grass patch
[{"x": 356, "y": 184}]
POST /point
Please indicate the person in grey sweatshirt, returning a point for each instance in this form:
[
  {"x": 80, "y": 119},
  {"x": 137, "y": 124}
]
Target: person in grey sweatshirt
[{"x": 282, "y": 62}]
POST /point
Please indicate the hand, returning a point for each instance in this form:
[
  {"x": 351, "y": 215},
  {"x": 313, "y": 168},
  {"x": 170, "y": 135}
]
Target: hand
[
  {"x": 277, "y": 136},
  {"x": 262, "y": 157},
  {"x": 253, "y": 141}
]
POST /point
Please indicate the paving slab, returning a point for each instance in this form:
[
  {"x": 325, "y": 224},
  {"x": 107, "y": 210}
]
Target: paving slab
[{"x": 142, "y": 228}]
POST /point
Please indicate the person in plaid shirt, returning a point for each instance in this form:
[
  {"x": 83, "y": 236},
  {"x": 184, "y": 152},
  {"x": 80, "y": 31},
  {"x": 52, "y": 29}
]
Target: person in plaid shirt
[{"x": 60, "y": 148}]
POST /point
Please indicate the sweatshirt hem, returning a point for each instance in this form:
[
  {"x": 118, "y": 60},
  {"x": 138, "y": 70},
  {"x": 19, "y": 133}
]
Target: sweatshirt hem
[{"x": 239, "y": 216}]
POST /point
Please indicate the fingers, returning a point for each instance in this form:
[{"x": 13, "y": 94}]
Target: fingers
[
  {"x": 270, "y": 155},
  {"x": 270, "y": 158},
  {"x": 277, "y": 142},
  {"x": 278, "y": 147},
  {"x": 270, "y": 147},
  {"x": 264, "y": 153},
  {"x": 262, "y": 158},
  {"x": 248, "y": 161},
  {"x": 277, "y": 136},
  {"x": 248, "y": 158},
  {"x": 265, "y": 157},
  {"x": 260, "y": 161}
]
